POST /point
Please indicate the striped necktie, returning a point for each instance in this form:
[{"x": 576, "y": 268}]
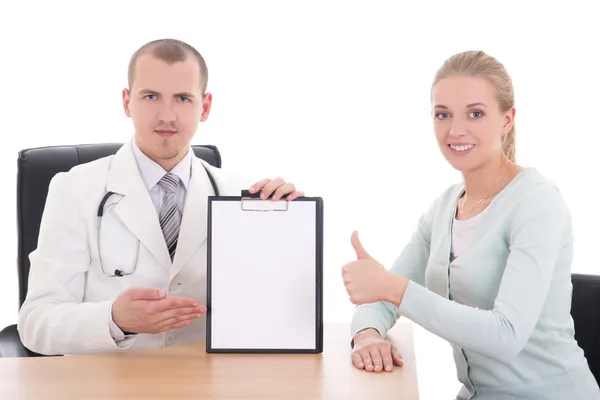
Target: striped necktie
[{"x": 169, "y": 216}]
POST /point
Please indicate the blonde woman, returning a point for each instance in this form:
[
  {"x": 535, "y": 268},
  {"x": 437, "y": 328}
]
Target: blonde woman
[{"x": 489, "y": 265}]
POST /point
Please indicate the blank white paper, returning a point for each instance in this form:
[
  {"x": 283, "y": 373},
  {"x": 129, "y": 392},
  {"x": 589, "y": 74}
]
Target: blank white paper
[{"x": 263, "y": 289}]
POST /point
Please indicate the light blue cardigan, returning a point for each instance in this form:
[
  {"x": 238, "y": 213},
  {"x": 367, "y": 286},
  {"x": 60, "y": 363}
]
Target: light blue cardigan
[{"x": 504, "y": 303}]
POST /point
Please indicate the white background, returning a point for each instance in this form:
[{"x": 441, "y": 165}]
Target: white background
[{"x": 333, "y": 96}]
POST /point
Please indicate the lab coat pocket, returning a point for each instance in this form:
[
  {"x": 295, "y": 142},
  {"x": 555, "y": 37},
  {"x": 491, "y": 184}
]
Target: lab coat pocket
[{"x": 118, "y": 247}]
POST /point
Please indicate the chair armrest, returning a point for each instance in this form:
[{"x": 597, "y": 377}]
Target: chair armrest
[{"x": 10, "y": 343}]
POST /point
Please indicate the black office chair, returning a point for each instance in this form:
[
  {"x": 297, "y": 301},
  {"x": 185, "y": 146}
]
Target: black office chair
[
  {"x": 585, "y": 311},
  {"x": 36, "y": 167}
]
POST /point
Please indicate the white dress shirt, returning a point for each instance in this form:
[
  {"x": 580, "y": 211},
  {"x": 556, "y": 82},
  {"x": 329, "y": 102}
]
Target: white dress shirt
[{"x": 152, "y": 173}]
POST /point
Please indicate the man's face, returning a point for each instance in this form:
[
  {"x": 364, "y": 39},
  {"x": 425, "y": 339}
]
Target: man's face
[{"x": 166, "y": 104}]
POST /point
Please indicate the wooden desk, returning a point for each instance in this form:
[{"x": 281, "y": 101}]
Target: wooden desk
[{"x": 187, "y": 372}]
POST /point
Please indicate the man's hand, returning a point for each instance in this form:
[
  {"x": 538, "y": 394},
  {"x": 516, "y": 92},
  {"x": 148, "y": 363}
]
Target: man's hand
[
  {"x": 367, "y": 281},
  {"x": 374, "y": 354},
  {"x": 277, "y": 186},
  {"x": 142, "y": 310}
]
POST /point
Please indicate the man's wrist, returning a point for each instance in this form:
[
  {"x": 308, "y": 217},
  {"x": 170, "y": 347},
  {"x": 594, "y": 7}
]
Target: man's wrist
[{"x": 115, "y": 325}]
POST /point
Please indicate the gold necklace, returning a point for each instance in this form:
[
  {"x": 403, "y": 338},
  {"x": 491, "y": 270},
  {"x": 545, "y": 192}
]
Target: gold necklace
[{"x": 462, "y": 205}]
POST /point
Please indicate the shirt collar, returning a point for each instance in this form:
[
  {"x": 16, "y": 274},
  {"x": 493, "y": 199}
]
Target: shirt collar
[{"x": 152, "y": 172}]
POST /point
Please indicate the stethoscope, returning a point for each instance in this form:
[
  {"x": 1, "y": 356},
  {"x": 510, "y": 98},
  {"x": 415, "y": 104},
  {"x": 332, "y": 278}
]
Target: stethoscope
[{"x": 100, "y": 214}]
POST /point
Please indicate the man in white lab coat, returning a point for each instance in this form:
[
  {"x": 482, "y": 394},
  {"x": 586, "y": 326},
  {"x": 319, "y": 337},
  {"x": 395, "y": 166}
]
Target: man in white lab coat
[{"x": 136, "y": 277}]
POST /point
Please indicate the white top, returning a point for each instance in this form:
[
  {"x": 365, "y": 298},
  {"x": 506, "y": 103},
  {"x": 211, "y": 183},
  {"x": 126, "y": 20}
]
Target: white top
[{"x": 463, "y": 233}]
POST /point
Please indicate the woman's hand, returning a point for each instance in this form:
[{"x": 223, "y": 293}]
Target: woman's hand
[
  {"x": 367, "y": 281},
  {"x": 373, "y": 353}
]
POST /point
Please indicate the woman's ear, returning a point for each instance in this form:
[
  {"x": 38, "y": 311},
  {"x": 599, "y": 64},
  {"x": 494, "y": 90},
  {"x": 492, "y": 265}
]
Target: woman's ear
[{"x": 509, "y": 120}]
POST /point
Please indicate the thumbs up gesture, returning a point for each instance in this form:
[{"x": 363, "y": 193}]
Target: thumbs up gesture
[{"x": 367, "y": 281}]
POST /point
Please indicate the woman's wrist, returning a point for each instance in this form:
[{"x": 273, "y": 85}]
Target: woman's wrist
[
  {"x": 397, "y": 288},
  {"x": 365, "y": 334}
]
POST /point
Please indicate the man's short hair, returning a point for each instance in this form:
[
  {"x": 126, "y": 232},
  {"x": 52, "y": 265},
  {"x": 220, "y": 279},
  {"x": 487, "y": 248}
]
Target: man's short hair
[{"x": 170, "y": 51}]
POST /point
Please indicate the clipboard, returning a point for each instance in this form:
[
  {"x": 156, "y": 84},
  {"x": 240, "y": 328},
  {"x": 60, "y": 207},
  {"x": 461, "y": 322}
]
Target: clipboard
[{"x": 264, "y": 275}]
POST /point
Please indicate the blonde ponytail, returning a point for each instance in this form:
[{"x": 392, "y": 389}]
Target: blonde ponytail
[{"x": 508, "y": 144}]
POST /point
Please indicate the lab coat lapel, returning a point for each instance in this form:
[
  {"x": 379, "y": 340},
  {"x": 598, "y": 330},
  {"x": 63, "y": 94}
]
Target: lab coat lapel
[
  {"x": 193, "y": 230},
  {"x": 135, "y": 209}
]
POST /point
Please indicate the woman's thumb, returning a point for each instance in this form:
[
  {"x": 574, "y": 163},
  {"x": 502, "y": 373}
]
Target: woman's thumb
[
  {"x": 396, "y": 357},
  {"x": 361, "y": 253}
]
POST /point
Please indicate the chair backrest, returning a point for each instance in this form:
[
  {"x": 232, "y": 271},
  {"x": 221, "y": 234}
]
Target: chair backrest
[
  {"x": 36, "y": 167},
  {"x": 585, "y": 310}
]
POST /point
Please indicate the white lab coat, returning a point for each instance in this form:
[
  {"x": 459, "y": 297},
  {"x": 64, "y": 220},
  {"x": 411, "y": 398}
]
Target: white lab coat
[{"x": 69, "y": 297}]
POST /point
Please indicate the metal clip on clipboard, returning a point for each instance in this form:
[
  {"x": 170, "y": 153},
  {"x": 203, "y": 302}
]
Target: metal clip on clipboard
[{"x": 253, "y": 202}]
